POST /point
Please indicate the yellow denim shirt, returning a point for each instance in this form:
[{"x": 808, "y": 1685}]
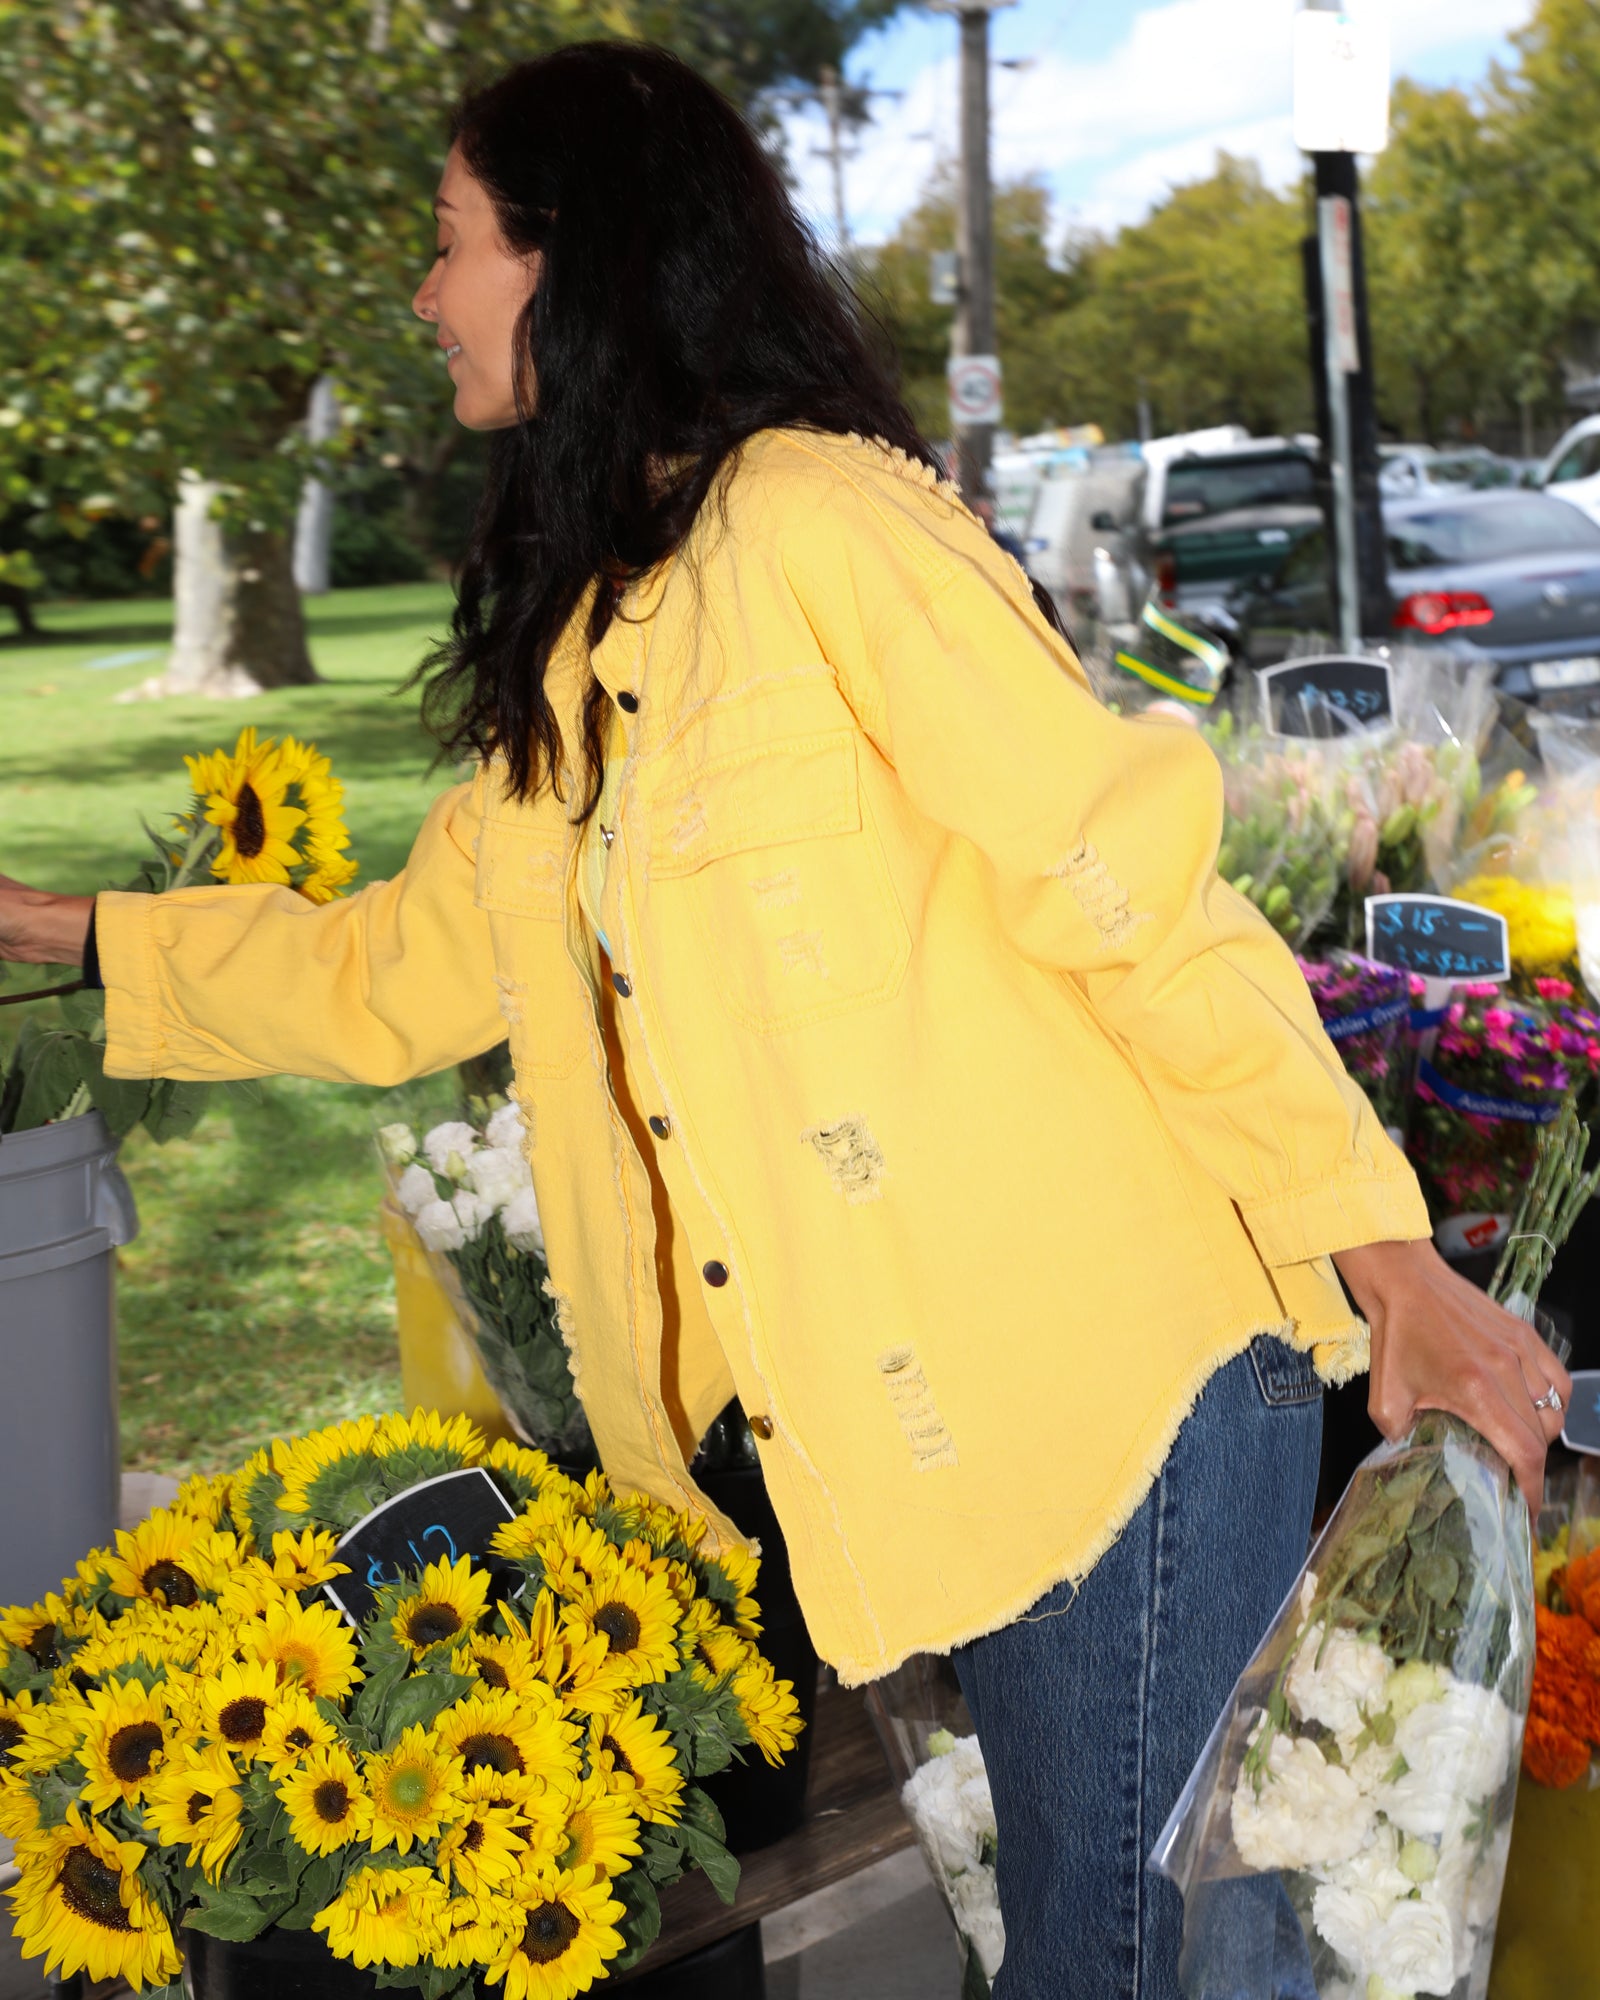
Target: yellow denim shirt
[{"x": 983, "y": 1122}]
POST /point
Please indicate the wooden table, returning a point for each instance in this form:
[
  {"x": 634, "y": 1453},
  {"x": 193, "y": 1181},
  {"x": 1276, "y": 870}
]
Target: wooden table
[{"x": 853, "y": 1818}]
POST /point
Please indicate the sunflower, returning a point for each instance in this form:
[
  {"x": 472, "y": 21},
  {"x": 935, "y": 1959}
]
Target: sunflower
[
  {"x": 255, "y": 1468},
  {"x": 499, "y": 1662},
  {"x": 385, "y": 1916},
  {"x": 234, "y": 1705},
  {"x": 636, "y": 1757},
  {"x": 40, "y": 1630},
  {"x": 568, "y": 1932},
  {"x": 447, "y": 1602},
  {"x": 482, "y": 1852},
  {"x": 35, "y": 1734},
  {"x": 307, "y": 1644},
  {"x": 194, "y": 1802},
  {"x": 81, "y": 1903},
  {"x": 578, "y": 1663},
  {"x": 512, "y": 1734},
  {"x": 767, "y": 1707},
  {"x": 416, "y": 1790},
  {"x": 169, "y": 1559},
  {"x": 740, "y": 1566},
  {"x": 327, "y": 1801},
  {"x": 578, "y": 1554},
  {"x": 299, "y": 1464},
  {"x": 526, "y": 1472},
  {"x": 529, "y": 1537},
  {"x": 300, "y": 1562},
  {"x": 125, "y": 1732},
  {"x": 638, "y": 1616},
  {"x": 710, "y": 1649},
  {"x": 294, "y": 1725},
  {"x": 20, "y": 1814},
  {"x": 203, "y": 1499},
  {"x": 247, "y": 797},
  {"x": 477, "y": 1928},
  {"x": 249, "y": 1589},
  {"x": 598, "y": 1830},
  {"x": 426, "y": 1430}
]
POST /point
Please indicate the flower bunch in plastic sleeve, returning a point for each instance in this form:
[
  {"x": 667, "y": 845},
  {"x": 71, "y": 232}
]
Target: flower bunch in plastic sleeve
[
  {"x": 1346, "y": 1830},
  {"x": 1499, "y": 1072},
  {"x": 1365, "y": 1008},
  {"x": 1283, "y": 834},
  {"x": 926, "y": 1732},
  {"x": 466, "y": 1187}
]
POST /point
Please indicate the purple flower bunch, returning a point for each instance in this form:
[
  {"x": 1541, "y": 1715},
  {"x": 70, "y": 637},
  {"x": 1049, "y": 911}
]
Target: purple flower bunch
[
  {"x": 1364, "y": 1007},
  {"x": 1500, "y": 1070}
]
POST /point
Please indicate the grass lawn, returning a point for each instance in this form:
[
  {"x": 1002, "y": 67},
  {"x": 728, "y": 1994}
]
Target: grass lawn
[{"x": 257, "y": 1297}]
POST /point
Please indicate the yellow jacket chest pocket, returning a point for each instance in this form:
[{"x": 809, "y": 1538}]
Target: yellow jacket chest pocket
[{"x": 773, "y": 860}]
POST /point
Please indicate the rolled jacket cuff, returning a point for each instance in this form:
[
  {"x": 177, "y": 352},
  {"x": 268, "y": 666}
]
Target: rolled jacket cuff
[
  {"x": 127, "y": 963},
  {"x": 1337, "y": 1215}
]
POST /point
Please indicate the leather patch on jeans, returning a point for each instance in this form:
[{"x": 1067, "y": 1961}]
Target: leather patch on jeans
[
  {"x": 926, "y": 1433},
  {"x": 1283, "y": 1373}
]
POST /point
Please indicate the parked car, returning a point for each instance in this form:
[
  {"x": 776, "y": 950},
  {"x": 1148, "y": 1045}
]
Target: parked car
[
  {"x": 1514, "y": 574},
  {"x": 1230, "y": 516},
  {"x": 1572, "y": 471},
  {"x": 1409, "y": 471}
]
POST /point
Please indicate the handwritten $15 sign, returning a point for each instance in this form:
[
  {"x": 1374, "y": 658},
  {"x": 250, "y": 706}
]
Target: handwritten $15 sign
[{"x": 1438, "y": 938}]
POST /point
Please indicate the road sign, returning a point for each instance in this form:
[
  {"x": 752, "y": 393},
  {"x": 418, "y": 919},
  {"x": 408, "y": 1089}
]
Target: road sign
[
  {"x": 944, "y": 278},
  {"x": 1341, "y": 78},
  {"x": 974, "y": 381}
]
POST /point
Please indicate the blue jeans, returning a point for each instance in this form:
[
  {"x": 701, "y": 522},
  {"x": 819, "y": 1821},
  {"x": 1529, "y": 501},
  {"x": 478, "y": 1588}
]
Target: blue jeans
[{"x": 1094, "y": 1706}]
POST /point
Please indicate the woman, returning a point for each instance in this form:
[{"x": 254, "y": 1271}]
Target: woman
[{"x": 890, "y": 1052}]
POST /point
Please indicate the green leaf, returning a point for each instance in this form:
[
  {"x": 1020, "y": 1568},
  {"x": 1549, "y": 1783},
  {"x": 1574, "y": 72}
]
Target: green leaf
[
  {"x": 369, "y": 1711},
  {"x": 700, "y": 1811},
  {"x": 231, "y": 1913},
  {"x": 318, "y": 1883},
  {"x": 1438, "y": 1575},
  {"x": 420, "y": 1699},
  {"x": 175, "y": 1109},
  {"x": 721, "y": 1868},
  {"x": 641, "y": 1925}
]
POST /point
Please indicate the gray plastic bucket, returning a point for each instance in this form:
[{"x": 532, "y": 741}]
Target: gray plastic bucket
[{"x": 64, "y": 1208}]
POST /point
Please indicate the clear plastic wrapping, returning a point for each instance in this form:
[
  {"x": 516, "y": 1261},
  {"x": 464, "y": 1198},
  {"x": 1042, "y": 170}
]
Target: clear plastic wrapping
[
  {"x": 927, "y": 1736},
  {"x": 1344, "y": 1835}
]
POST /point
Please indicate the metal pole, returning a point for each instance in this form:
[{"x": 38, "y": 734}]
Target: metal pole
[
  {"x": 831, "y": 91},
  {"x": 1341, "y": 463},
  {"x": 974, "y": 326}
]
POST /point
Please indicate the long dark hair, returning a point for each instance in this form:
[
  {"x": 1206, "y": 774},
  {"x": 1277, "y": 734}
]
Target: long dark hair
[{"x": 682, "y": 306}]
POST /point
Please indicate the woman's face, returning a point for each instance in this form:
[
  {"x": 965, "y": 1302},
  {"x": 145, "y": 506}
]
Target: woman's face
[{"x": 476, "y": 288}]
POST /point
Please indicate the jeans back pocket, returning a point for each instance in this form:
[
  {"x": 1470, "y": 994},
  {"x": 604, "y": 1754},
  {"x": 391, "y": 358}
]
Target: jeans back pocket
[{"x": 1285, "y": 1374}]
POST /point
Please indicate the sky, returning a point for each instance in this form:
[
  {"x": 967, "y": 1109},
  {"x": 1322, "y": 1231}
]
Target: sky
[{"x": 1116, "y": 101}]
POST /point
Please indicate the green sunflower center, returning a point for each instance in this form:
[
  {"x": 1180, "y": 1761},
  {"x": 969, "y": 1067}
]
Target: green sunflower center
[
  {"x": 11, "y": 1734},
  {"x": 89, "y": 1890},
  {"x": 171, "y": 1581},
  {"x": 41, "y": 1648},
  {"x": 132, "y": 1750},
  {"x": 620, "y": 1625},
  {"x": 199, "y": 1805},
  {"x": 548, "y": 1932},
  {"x": 242, "y": 1719},
  {"x": 408, "y": 1789},
  {"x": 432, "y": 1624},
  {"x": 250, "y": 827},
  {"x": 490, "y": 1752},
  {"x": 331, "y": 1801},
  {"x": 619, "y": 1757}
]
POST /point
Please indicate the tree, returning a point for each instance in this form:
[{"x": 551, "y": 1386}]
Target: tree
[{"x": 210, "y": 203}]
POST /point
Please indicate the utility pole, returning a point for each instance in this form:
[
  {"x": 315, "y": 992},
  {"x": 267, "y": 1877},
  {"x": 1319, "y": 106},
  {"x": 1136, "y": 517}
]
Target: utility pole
[
  {"x": 830, "y": 92},
  {"x": 973, "y": 332}
]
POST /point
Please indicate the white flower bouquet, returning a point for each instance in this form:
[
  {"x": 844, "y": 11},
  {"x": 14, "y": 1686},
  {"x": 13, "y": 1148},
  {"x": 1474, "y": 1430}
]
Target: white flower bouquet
[
  {"x": 1346, "y": 1829},
  {"x": 468, "y": 1192},
  {"x": 918, "y": 1710}
]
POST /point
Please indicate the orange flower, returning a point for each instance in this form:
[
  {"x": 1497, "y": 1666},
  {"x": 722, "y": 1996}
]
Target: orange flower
[{"x": 1552, "y": 1755}]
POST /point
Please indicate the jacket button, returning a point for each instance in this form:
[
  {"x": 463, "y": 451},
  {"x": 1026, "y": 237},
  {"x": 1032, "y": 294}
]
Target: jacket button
[
  {"x": 761, "y": 1427},
  {"x": 714, "y": 1273},
  {"x": 622, "y": 983},
  {"x": 660, "y": 1126},
  {"x": 628, "y": 702}
]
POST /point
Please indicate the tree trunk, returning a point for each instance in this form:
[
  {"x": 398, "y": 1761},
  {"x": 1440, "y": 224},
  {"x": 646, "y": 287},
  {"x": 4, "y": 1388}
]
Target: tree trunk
[
  {"x": 313, "y": 528},
  {"x": 237, "y": 624}
]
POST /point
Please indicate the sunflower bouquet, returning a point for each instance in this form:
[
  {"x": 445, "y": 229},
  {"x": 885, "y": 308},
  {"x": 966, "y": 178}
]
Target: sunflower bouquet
[
  {"x": 463, "y": 1773},
  {"x": 467, "y": 1191},
  {"x": 269, "y": 812}
]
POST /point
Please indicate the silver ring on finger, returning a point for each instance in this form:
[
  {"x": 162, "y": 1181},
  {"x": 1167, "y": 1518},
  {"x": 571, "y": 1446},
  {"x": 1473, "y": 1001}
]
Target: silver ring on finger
[{"x": 1550, "y": 1400}]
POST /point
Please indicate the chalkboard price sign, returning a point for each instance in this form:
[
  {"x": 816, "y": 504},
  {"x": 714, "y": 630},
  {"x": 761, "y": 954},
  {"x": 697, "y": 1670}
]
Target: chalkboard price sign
[
  {"x": 457, "y": 1514},
  {"x": 1438, "y": 937},
  {"x": 1298, "y": 694},
  {"x": 1581, "y": 1430}
]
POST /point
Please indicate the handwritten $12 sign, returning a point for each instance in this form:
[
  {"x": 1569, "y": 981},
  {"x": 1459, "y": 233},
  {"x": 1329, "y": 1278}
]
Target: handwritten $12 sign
[
  {"x": 1438, "y": 937},
  {"x": 437, "y": 1520},
  {"x": 1297, "y": 694}
]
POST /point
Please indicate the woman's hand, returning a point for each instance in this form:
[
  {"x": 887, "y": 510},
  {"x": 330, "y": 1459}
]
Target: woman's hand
[
  {"x": 38, "y": 927},
  {"x": 1438, "y": 1343}
]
